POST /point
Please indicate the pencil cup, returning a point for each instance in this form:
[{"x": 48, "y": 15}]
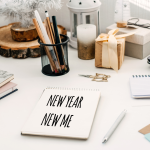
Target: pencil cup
[{"x": 55, "y": 63}]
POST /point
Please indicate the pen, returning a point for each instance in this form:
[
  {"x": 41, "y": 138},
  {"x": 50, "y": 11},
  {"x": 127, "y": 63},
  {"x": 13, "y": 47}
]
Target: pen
[{"x": 114, "y": 126}]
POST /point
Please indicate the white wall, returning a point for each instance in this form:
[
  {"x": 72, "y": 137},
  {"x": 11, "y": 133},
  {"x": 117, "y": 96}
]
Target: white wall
[{"x": 107, "y": 14}]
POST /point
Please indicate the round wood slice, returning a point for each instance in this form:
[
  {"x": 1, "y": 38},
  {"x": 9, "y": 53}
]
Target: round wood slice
[
  {"x": 21, "y": 34},
  {"x": 11, "y": 48},
  {"x": 121, "y": 24}
]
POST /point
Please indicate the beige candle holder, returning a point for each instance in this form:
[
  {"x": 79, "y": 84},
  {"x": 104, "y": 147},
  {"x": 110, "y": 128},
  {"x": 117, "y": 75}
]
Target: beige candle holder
[{"x": 86, "y": 51}]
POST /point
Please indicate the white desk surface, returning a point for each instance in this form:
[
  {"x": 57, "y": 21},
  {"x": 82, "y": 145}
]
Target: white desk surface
[{"x": 115, "y": 96}]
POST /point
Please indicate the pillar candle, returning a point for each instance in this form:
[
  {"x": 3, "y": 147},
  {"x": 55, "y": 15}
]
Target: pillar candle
[{"x": 86, "y": 35}]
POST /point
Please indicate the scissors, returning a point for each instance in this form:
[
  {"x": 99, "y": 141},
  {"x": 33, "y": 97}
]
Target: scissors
[{"x": 102, "y": 77}]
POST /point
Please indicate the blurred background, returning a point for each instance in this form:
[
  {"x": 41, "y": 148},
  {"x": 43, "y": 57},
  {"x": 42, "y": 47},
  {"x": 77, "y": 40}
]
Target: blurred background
[{"x": 139, "y": 8}]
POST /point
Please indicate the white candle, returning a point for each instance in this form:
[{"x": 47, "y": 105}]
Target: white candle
[{"x": 86, "y": 35}]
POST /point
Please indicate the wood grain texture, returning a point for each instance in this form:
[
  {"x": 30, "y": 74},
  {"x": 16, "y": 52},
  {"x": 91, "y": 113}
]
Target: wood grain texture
[
  {"x": 11, "y": 48},
  {"x": 21, "y": 34}
]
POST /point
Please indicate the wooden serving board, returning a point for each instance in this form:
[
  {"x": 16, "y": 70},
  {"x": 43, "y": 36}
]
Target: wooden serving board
[{"x": 11, "y": 48}]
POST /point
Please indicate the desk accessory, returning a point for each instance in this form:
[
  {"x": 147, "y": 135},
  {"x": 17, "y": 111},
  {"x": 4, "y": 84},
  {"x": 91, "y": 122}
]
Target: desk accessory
[
  {"x": 50, "y": 52},
  {"x": 148, "y": 59},
  {"x": 53, "y": 39},
  {"x": 44, "y": 59},
  {"x": 5, "y": 77},
  {"x": 121, "y": 24},
  {"x": 58, "y": 41},
  {"x": 63, "y": 112},
  {"x": 140, "y": 86},
  {"x": 134, "y": 22},
  {"x": 147, "y": 136},
  {"x": 7, "y": 89},
  {"x": 137, "y": 45},
  {"x": 23, "y": 34},
  {"x": 61, "y": 29},
  {"x": 145, "y": 130},
  {"x": 83, "y": 12},
  {"x": 103, "y": 77},
  {"x": 86, "y": 35},
  {"x": 114, "y": 126},
  {"x": 11, "y": 48},
  {"x": 110, "y": 49},
  {"x": 53, "y": 67}
]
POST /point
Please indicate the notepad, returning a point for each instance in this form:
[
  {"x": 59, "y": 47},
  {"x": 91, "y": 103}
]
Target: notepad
[
  {"x": 140, "y": 86},
  {"x": 7, "y": 89},
  {"x": 63, "y": 112},
  {"x": 5, "y": 77}
]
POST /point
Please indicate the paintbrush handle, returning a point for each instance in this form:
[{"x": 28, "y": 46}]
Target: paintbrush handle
[
  {"x": 52, "y": 65},
  {"x": 52, "y": 37},
  {"x": 46, "y": 38}
]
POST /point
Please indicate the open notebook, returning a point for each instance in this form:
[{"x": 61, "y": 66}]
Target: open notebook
[
  {"x": 63, "y": 112},
  {"x": 140, "y": 86}
]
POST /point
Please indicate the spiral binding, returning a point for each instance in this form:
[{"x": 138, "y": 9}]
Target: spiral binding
[
  {"x": 72, "y": 89},
  {"x": 139, "y": 76}
]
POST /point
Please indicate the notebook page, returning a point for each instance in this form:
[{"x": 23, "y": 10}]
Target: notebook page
[
  {"x": 140, "y": 86},
  {"x": 78, "y": 125}
]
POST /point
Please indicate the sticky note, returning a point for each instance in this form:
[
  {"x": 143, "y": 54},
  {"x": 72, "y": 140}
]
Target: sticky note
[
  {"x": 145, "y": 130},
  {"x": 147, "y": 136}
]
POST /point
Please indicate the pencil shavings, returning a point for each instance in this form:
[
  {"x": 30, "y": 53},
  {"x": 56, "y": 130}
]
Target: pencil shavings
[{"x": 23, "y": 10}]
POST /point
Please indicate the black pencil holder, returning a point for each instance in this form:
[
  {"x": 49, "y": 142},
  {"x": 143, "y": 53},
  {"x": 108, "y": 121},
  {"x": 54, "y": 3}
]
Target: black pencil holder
[{"x": 46, "y": 66}]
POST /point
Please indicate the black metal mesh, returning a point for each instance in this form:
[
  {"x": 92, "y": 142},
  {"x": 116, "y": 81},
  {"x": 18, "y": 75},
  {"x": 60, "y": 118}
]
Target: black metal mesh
[{"x": 46, "y": 69}]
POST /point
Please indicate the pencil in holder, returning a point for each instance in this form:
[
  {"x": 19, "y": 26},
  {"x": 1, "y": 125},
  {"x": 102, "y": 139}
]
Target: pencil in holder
[{"x": 47, "y": 68}]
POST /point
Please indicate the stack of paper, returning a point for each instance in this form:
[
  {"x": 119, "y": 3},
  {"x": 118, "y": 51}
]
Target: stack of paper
[{"x": 6, "y": 87}]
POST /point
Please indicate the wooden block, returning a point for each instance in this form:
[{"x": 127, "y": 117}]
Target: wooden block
[
  {"x": 21, "y": 34},
  {"x": 121, "y": 24}
]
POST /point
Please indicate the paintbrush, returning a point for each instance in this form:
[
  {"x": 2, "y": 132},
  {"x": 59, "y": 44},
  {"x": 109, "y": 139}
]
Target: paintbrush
[
  {"x": 46, "y": 49},
  {"x": 53, "y": 40}
]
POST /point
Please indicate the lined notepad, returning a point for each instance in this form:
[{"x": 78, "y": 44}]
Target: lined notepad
[
  {"x": 140, "y": 86},
  {"x": 63, "y": 112}
]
